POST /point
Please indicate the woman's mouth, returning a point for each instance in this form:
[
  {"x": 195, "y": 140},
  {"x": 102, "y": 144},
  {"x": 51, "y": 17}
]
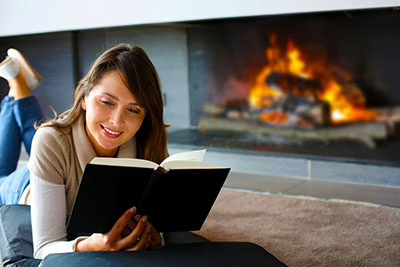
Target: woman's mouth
[{"x": 110, "y": 133}]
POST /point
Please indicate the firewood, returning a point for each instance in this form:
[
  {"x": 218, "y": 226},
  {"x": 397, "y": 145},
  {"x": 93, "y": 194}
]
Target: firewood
[
  {"x": 366, "y": 132},
  {"x": 317, "y": 113},
  {"x": 390, "y": 115},
  {"x": 290, "y": 84},
  {"x": 213, "y": 110}
]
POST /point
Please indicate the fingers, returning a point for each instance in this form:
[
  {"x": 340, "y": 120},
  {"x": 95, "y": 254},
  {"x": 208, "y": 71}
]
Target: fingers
[
  {"x": 132, "y": 238},
  {"x": 131, "y": 225},
  {"x": 125, "y": 233},
  {"x": 115, "y": 234},
  {"x": 143, "y": 242},
  {"x": 155, "y": 239},
  {"x": 132, "y": 233},
  {"x": 129, "y": 228}
]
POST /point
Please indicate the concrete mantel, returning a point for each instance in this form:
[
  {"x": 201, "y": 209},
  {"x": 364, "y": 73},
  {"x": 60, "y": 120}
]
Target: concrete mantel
[{"x": 20, "y": 17}]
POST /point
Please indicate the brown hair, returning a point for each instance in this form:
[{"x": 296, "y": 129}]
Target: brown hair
[{"x": 143, "y": 82}]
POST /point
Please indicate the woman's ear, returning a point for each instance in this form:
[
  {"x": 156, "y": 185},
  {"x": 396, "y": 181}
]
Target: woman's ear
[{"x": 83, "y": 103}]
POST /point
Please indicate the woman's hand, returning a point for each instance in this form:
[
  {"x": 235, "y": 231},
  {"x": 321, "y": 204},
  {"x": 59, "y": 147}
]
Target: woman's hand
[
  {"x": 127, "y": 234},
  {"x": 155, "y": 237}
]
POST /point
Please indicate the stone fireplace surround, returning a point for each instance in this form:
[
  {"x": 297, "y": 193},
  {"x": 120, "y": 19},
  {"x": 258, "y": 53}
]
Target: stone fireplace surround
[{"x": 64, "y": 55}]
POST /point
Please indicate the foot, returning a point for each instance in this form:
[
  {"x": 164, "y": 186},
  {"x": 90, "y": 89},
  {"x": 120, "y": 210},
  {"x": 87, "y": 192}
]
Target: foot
[
  {"x": 32, "y": 78},
  {"x": 9, "y": 68}
]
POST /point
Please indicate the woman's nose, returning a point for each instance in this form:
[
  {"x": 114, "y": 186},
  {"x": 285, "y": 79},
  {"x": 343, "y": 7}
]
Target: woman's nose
[{"x": 117, "y": 117}]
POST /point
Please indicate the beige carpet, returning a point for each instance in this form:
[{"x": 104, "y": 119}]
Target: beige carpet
[{"x": 307, "y": 232}]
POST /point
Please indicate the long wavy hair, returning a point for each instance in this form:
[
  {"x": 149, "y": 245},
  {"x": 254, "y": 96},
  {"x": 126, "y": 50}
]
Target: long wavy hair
[{"x": 143, "y": 82}]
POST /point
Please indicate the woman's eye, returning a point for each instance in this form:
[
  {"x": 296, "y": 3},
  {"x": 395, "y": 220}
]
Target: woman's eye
[
  {"x": 106, "y": 102},
  {"x": 134, "y": 110}
]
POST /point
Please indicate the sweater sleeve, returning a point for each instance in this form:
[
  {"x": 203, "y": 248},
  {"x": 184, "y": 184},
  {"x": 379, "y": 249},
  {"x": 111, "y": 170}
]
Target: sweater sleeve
[
  {"x": 49, "y": 155},
  {"x": 48, "y": 208}
]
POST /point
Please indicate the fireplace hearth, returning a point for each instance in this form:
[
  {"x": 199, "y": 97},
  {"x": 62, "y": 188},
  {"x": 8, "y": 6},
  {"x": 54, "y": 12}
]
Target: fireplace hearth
[{"x": 314, "y": 85}]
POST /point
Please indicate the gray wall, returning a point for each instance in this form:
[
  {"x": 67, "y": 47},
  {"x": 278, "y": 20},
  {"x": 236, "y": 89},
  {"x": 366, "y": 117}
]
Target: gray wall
[
  {"x": 51, "y": 56},
  {"x": 63, "y": 58}
]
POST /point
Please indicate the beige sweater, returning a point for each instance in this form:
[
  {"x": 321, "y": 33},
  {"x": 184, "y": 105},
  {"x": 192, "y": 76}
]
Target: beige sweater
[{"x": 60, "y": 156}]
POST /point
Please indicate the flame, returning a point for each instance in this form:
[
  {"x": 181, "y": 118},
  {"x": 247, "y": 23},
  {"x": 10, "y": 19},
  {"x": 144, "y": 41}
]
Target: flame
[
  {"x": 296, "y": 65},
  {"x": 261, "y": 95},
  {"x": 346, "y": 104}
]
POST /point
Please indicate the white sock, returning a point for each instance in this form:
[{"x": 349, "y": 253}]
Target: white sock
[
  {"x": 31, "y": 80},
  {"x": 9, "y": 68}
]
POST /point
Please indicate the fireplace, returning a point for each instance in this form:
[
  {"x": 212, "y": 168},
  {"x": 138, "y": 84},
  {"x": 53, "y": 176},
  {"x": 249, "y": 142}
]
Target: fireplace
[
  {"x": 208, "y": 68},
  {"x": 318, "y": 85}
]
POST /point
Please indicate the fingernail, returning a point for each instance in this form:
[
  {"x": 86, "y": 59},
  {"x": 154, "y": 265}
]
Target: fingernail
[
  {"x": 148, "y": 228},
  {"x": 144, "y": 218},
  {"x": 132, "y": 210}
]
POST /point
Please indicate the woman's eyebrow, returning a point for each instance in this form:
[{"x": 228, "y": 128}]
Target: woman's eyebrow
[{"x": 116, "y": 98}]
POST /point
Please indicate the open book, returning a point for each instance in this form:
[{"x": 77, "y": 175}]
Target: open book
[
  {"x": 176, "y": 195},
  {"x": 184, "y": 160}
]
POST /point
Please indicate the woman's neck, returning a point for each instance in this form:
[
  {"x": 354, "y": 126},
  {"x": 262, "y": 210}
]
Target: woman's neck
[{"x": 107, "y": 153}]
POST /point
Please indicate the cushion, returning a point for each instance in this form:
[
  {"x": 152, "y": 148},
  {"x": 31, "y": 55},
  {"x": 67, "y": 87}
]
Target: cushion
[
  {"x": 182, "y": 249},
  {"x": 190, "y": 254},
  {"x": 16, "y": 236},
  {"x": 173, "y": 238}
]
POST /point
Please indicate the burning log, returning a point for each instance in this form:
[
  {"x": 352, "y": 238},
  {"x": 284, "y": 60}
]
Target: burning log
[
  {"x": 289, "y": 84},
  {"x": 302, "y": 111},
  {"x": 237, "y": 112},
  {"x": 390, "y": 115},
  {"x": 366, "y": 132},
  {"x": 318, "y": 114},
  {"x": 298, "y": 112}
]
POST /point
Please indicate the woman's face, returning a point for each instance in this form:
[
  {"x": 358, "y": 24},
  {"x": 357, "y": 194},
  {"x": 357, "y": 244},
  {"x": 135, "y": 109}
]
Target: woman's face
[{"x": 113, "y": 115}]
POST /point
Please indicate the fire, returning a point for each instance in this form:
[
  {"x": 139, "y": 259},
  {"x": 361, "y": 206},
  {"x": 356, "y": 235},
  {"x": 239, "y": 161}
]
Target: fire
[
  {"x": 347, "y": 104},
  {"x": 296, "y": 64}
]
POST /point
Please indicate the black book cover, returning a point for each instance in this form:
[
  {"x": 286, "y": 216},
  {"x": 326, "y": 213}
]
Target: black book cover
[{"x": 178, "y": 200}]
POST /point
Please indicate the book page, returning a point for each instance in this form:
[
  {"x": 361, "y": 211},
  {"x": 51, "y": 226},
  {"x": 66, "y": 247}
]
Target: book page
[
  {"x": 188, "y": 157},
  {"x": 125, "y": 162},
  {"x": 184, "y": 164},
  {"x": 195, "y": 155}
]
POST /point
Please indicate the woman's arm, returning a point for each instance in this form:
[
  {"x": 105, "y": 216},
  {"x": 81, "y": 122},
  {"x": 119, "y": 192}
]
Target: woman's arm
[{"x": 48, "y": 209}]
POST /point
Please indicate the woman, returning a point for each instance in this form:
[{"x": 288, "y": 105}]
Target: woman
[
  {"x": 19, "y": 110},
  {"x": 117, "y": 112}
]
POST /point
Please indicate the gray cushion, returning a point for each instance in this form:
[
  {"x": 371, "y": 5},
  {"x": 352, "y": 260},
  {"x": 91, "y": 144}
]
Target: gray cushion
[
  {"x": 182, "y": 249},
  {"x": 210, "y": 254},
  {"x": 15, "y": 235}
]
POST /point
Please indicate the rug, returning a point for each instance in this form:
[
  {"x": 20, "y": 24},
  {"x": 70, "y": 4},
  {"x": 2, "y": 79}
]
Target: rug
[{"x": 302, "y": 231}]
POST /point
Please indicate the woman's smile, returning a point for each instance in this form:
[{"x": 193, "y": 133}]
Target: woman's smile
[{"x": 110, "y": 133}]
